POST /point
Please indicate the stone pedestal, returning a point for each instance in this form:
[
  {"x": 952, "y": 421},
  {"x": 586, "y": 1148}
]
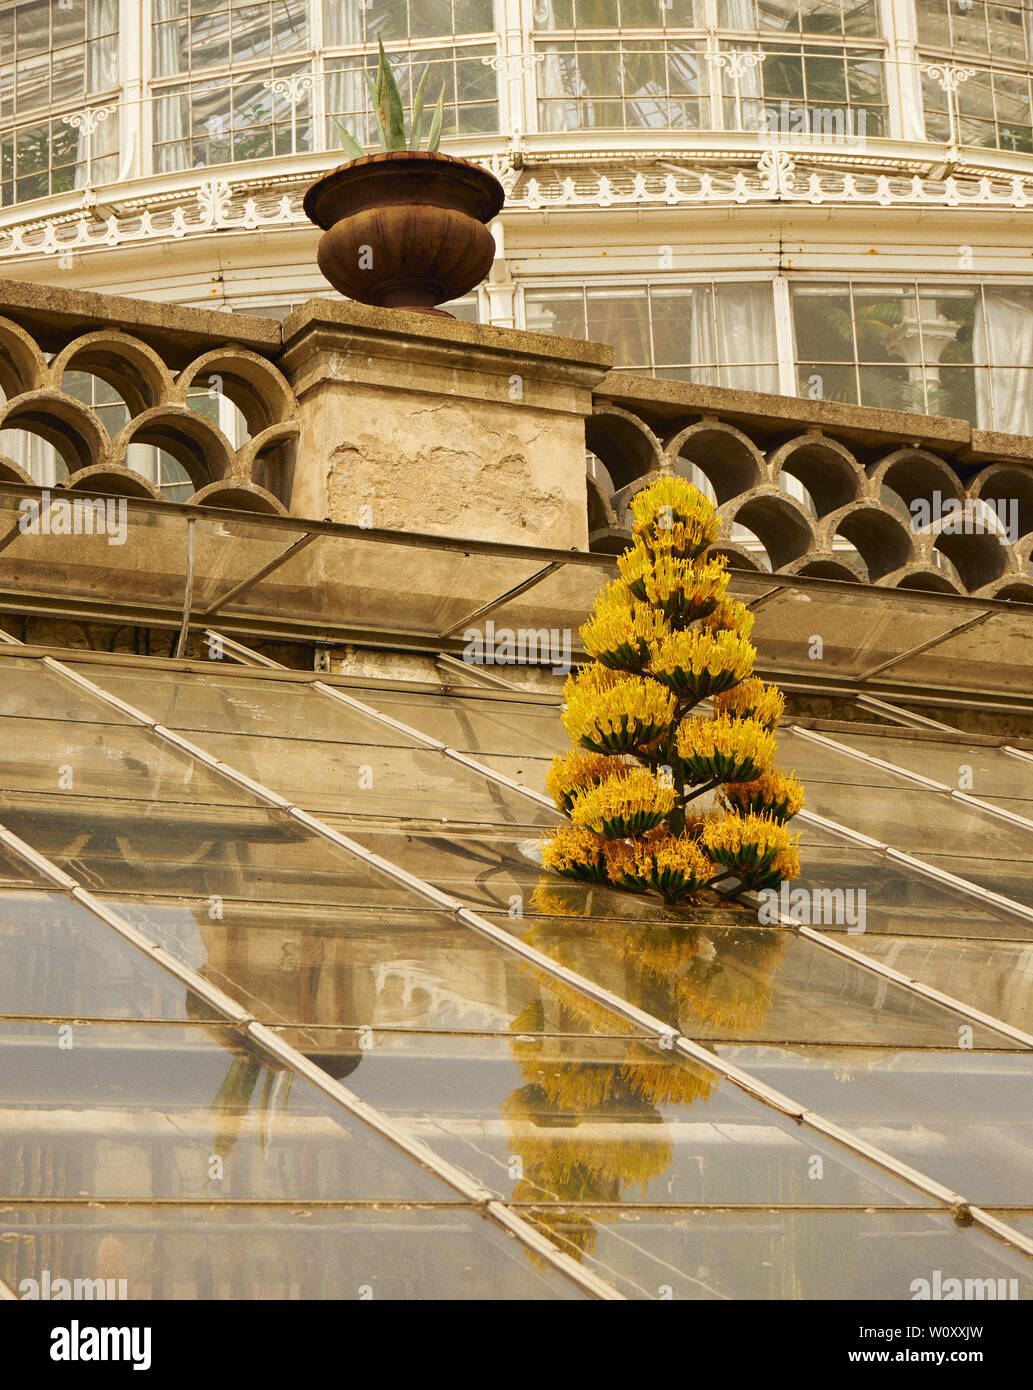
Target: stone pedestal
[{"x": 416, "y": 423}]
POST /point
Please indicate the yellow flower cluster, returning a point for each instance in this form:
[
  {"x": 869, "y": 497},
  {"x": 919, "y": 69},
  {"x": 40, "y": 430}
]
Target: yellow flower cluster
[
  {"x": 627, "y": 803},
  {"x": 698, "y": 664},
  {"x": 615, "y": 714},
  {"x": 572, "y": 774},
  {"x": 682, "y": 589},
  {"x": 730, "y": 750},
  {"x": 673, "y": 516},
  {"x": 772, "y": 794},
  {"x": 759, "y": 850},
  {"x": 673, "y": 866},
  {"x": 730, "y": 616},
  {"x": 621, "y": 630},
  {"x": 753, "y": 700},
  {"x": 576, "y": 853}
]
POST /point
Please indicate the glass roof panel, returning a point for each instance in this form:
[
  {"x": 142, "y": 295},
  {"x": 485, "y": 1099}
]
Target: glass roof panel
[
  {"x": 137, "y": 1111},
  {"x": 477, "y": 724},
  {"x": 238, "y": 701},
  {"x": 139, "y": 559},
  {"x": 994, "y": 976},
  {"x": 761, "y": 984},
  {"x": 253, "y": 1252},
  {"x": 28, "y": 689},
  {"x": 230, "y": 550},
  {"x": 861, "y": 628},
  {"x": 59, "y": 960},
  {"x": 336, "y": 971},
  {"x": 962, "y": 1117},
  {"x": 899, "y": 900},
  {"x": 601, "y": 1120},
  {"x": 364, "y": 583},
  {"x": 981, "y": 770},
  {"x": 359, "y": 782},
  {"x": 196, "y": 852},
  {"x": 993, "y": 655},
  {"x": 102, "y": 760},
  {"x": 782, "y": 1254}
]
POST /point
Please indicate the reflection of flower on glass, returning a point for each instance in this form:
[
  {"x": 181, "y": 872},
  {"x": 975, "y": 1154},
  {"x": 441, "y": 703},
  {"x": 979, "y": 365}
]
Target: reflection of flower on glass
[
  {"x": 588, "y": 1126},
  {"x": 234, "y": 1098},
  {"x": 664, "y": 638}
]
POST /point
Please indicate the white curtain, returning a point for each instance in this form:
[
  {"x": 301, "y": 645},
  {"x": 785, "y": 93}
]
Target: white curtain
[
  {"x": 734, "y": 326},
  {"x": 346, "y": 90},
  {"x": 101, "y": 75},
  {"x": 741, "y": 16},
  {"x": 1002, "y": 340},
  {"x": 169, "y": 119},
  {"x": 552, "y": 87}
]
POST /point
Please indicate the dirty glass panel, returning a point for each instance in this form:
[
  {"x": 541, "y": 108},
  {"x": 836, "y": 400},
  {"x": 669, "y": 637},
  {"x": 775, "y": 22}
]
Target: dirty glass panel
[
  {"x": 899, "y": 900},
  {"x": 993, "y": 976},
  {"x": 133, "y": 555},
  {"x": 583, "y": 1120},
  {"x": 960, "y": 1116},
  {"x": 980, "y": 770},
  {"x": 357, "y": 782},
  {"x": 859, "y": 631},
  {"x": 560, "y": 604},
  {"x": 195, "y": 852},
  {"x": 253, "y": 1252},
  {"x": 763, "y": 984},
  {"x": 384, "y": 586},
  {"x": 136, "y": 1111},
  {"x": 29, "y": 690},
  {"x": 478, "y": 725},
  {"x": 59, "y": 960},
  {"x": 102, "y": 760},
  {"x": 337, "y": 971},
  {"x": 994, "y": 655},
  {"x": 240, "y": 702},
  {"x": 780, "y": 1254}
]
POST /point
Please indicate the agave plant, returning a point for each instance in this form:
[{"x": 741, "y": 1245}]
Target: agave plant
[{"x": 390, "y": 113}]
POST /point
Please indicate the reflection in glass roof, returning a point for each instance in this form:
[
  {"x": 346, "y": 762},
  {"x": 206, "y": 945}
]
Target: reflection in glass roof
[{"x": 569, "y": 1093}]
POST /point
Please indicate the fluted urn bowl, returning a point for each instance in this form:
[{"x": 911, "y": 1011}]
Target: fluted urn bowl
[{"x": 405, "y": 229}]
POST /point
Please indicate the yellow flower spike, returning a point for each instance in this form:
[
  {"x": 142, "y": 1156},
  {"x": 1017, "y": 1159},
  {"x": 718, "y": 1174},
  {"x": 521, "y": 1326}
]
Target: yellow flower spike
[
  {"x": 569, "y": 775},
  {"x": 757, "y": 849},
  {"x": 608, "y": 713},
  {"x": 725, "y": 749},
  {"x": 621, "y": 630},
  {"x": 772, "y": 794},
  {"x": 683, "y": 590},
  {"x": 673, "y": 517},
  {"x": 698, "y": 664},
  {"x": 673, "y": 866},
  {"x": 730, "y": 616},
  {"x": 626, "y": 803},
  {"x": 753, "y": 700},
  {"x": 576, "y": 853}
]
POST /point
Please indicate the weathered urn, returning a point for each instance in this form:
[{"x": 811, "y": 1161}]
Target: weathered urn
[{"x": 405, "y": 229}]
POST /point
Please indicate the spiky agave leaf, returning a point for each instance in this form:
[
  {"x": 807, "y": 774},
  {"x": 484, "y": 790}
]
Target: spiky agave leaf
[
  {"x": 417, "y": 111},
  {"x": 434, "y": 136},
  {"x": 349, "y": 144}
]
